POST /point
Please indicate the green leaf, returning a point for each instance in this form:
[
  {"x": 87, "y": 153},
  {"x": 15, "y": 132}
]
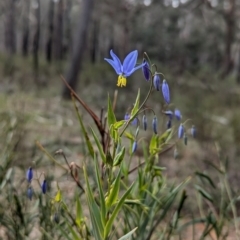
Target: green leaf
[
  {"x": 119, "y": 157},
  {"x": 75, "y": 236},
  {"x": 205, "y": 176},
  {"x": 165, "y": 137},
  {"x": 58, "y": 196},
  {"x": 115, "y": 212},
  {"x": 110, "y": 116},
  {"x": 65, "y": 234},
  {"x": 129, "y": 136},
  {"x": 153, "y": 146},
  {"x": 204, "y": 193},
  {"x": 128, "y": 235},
  {"x": 136, "y": 105},
  {"x": 94, "y": 211},
  {"x": 79, "y": 213},
  {"x": 100, "y": 189},
  {"x": 119, "y": 124},
  {"x": 100, "y": 149},
  {"x": 89, "y": 145},
  {"x": 114, "y": 191}
]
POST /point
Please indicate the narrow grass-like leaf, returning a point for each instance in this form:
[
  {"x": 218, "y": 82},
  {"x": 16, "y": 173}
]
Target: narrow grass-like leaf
[
  {"x": 94, "y": 210},
  {"x": 128, "y": 235},
  {"x": 136, "y": 105},
  {"x": 119, "y": 124},
  {"x": 205, "y": 176},
  {"x": 129, "y": 136},
  {"x": 110, "y": 115},
  {"x": 100, "y": 189},
  {"x": 119, "y": 157},
  {"x": 79, "y": 214},
  {"x": 99, "y": 146},
  {"x": 89, "y": 145},
  {"x": 114, "y": 191},
  {"x": 205, "y": 194},
  {"x": 115, "y": 212},
  {"x": 64, "y": 233},
  {"x": 75, "y": 236}
]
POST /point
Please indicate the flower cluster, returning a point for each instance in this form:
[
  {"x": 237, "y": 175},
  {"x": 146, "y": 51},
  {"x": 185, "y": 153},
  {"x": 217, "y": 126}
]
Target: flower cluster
[{"x": 128, "y": 67}]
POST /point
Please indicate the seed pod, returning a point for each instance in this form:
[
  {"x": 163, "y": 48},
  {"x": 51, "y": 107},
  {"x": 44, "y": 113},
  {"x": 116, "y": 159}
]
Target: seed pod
[
  {"x": 44, "y": 186},
  {"x": 185, "y": 139},
  {"x": 165, "y": 91},
  {"x": 169, "y": 124},
  {"x": 134, "y": 147},
  {"x": 178, "y": 114},
  {"x": 144, "y": 122},
  {"x": 29, "y": 193},
  {"x": 157, "y": 82},
  {"x": 180, "y": 131},
  {"x": 29, "y": 174},
  {"x": 146, "y": 70},
  {"x": 154, "y": 124},
  {"x": 193, "y": 131}
]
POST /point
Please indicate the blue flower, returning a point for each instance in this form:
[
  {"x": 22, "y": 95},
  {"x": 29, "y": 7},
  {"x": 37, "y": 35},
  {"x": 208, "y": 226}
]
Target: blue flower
[
  {"x": 157, "y": 82},
  {"x": 126, "y": 116},
  {"x": 178, "y": 114},
  {"x": 169, "y": 113},
  {"x": 169, "y": 124},
  {"x": 44, "y": 186},
  {"x": 146, "y": 70},
  {"x": 29, "y": 193},
  {"x": 126, "y": 69},
  {"x": 180, "y": 131},
  {"x": 165, "y": 91},
  {"x": 29, "y": 174}
]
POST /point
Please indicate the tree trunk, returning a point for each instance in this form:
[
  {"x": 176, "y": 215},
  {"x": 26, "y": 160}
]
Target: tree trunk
[
  {"x": 50, "y": 31},
  {"x": 10, "y": 28},
  {"x": 58, "y": 31},
  {"x": 36, "y": 41},
  {"x": 25, "y": 37},
  {"x": 79, "y": 47},
  {"x": 229, "y": 18}
]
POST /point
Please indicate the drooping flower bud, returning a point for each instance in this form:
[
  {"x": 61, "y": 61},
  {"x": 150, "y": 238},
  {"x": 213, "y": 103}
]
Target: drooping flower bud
[
  {"x": 169, "y": 113},
  {"x": 154, "y": 124},
  {"x": 185, "y": 139},
  {"x": 134, "y": 147},
  {"x": 135, "y": 122},
  {"x": 157, "y": 82},
  {"x": 178, "y": 114},
  {"x": 44, "y": 186},
  {"x": 165, "y": 91},
  {"x": 146, "y": 70},
  {"x": 169, "y": 124},
  {"x": 29, "y": 193},
  {"x": 176, "y": 154},
  {"x": 180, "y": 131},
  {"x": 56, "y": 218},
  {"x": 193, "y": 131},
  {"x": 29, "y": 174},
  {"x": 144, "y": 122},
  {"x": 126, "y": 116}
]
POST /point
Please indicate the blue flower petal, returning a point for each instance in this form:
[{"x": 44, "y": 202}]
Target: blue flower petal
[
  {"x": 114, "y": 65},
  {"x": 136, "y": 68},
  {"x": 117, "y": 61},
  {"x": 130, "y": 62}
]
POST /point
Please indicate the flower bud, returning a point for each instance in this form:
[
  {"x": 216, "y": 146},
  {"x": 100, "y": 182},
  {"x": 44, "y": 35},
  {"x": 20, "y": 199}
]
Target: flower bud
[
  {"x": 44, "y": 186},
  {"x": 144, "y": 122},
  {"x": 185, "y": 139},
  {"x": 126, "y": 116},
  {"x": 157, "y": 82},
  {"x": 175, "y": 154},
  {"x": 134, "y": 122},
  {"x": 165, "y": 91},
  {"x": 56, "y": 218},
  {"x": 29, "y": 193},
  {"x": 169, "y": 124},
  {"x": 146, "y": 70},
  {"x": 180, "y": 131},
  {"x": 29, "y": 174},
  {"x": 178, "y": 114},
  {"x": 154, "y": 124},
  {"x": 169, "y": 113},
  {"x": 193, "y": 131},
  {"x": 134, "y": 147}
]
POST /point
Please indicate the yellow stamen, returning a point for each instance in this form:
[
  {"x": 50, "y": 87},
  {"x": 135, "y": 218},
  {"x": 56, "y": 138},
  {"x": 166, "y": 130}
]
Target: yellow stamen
[{"x": 122, "y": 81}]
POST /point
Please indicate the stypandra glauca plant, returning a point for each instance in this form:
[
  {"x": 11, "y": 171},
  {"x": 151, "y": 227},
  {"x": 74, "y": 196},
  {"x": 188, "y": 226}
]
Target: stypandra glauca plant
[{"x": 120, "y": 193}]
